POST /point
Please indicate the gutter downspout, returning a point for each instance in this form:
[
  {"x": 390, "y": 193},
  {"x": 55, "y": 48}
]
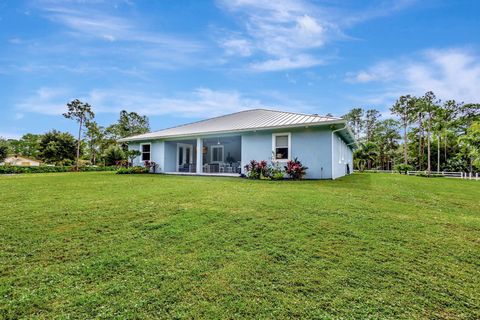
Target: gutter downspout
[{"x": 333, "y": 134}]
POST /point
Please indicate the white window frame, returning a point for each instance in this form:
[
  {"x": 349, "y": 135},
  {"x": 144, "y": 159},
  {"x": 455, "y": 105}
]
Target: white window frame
[
  {"x": 274, "y": 146},
  {"x": 141, "y": 151},
  {"x": 217, "y": 146}
]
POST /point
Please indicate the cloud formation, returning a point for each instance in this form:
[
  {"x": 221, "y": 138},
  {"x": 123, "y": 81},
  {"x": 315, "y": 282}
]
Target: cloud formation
[
  {"x": 201, "y": 102},
  {"x": 450, "y": 73}
]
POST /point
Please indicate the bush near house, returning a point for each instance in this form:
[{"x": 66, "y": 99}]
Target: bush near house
[
  {"x": 295, "y": 169},
  {"x": 7, "y": 169},
  {"x": 262, "y": 170},
  {"x": 133, "y": 170}
]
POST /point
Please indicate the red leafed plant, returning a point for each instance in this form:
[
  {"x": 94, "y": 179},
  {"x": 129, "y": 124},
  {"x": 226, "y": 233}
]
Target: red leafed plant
[
  {"x": 295, "y": 169},
  {"x": 257, "y": 170}
]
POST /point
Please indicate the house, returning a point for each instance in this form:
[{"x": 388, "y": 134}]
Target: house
[
  {"x": 224, "y": 145},
  {"x": 21, "y": 161}
]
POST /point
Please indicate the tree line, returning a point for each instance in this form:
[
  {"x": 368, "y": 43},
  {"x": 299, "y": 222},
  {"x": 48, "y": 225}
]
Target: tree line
[
  {"x": 422, "y": 133},
  {"x": 94, "y": 145}
]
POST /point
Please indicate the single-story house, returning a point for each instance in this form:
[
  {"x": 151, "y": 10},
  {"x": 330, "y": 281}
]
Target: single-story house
[
  {"x": 21, "y": 161},
  {"x": 224, "y": 145}
]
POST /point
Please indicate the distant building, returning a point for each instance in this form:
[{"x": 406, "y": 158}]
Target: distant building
[{"x": 21, "y": 161}]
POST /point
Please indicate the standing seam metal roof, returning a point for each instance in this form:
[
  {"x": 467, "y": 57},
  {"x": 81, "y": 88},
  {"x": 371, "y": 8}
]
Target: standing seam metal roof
[{"x": 240, "y": 121}]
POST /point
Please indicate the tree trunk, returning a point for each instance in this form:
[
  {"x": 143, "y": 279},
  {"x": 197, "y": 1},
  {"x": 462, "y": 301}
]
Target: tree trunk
[
  {"x": 438, "y": 153},
  {"x": 429, "y": 168},
  {"x": 420, "y": 143},
  {"x": 445, "y": 142},
  {"x": 78, "y": 143},
  {"x": 405, "y": 156}
]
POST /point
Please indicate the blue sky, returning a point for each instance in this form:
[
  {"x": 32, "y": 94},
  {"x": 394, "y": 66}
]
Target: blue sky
[{"x": 178, "y": 61}]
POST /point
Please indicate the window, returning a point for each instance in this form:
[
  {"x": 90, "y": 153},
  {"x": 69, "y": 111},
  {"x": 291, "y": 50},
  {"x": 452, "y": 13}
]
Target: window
[
  {"x": 217, "y": 153},
  {"x": 281, "y": 146},
  {"x": 145, "y": 149}
]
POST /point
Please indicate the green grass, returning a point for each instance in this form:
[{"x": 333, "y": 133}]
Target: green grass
[{"x": 100, "y": 245}]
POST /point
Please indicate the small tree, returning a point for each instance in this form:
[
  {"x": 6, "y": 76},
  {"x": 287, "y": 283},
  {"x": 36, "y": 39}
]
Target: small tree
[
  {"x": 82, "y": 113},
  {"x": 3, "y": 150},
  {"x": 57, "y": 147},
  {"x": 132, "y": 154},
  {"x": 113, "y": 155}
]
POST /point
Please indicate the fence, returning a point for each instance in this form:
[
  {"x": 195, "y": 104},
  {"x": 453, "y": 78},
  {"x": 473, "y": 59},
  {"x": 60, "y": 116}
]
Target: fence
[{"x": 446, "y": 174}]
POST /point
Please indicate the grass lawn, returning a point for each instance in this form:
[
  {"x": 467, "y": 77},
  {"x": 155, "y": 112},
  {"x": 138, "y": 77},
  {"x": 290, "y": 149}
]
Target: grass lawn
[{"x": 100, "y": 245}]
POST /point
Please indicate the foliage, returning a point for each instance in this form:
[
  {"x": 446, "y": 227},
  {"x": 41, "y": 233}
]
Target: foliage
[
  {"x": 95, "y": 137},
  {"x": 129, "y": 124},
  {"x": 295, "y": 169},
  {"x": 82, "y": 113},
  {"x": 57, "y": 147},
  {"x": 3, "y": 150},
  {"x": 8, "y": 169},
  {"x": 28, "y": 145},
  {"x": 276, "y": 171},
  {"x": 151, "y": 165},
  {"x": 257, "y": 170},
  {"x": 403, "y": 168},
  {"x": 133, "y": 170},
  {"x": 354, "y": 119},
  {"x": 432, "y": 135},
  {"x": 427, "y": 175},
  {"x": 87, "y": 247},
  {"x": 132, "y": 154},
  {"x": 470, "y": 144},
  {"x": 113, "y": 155}
]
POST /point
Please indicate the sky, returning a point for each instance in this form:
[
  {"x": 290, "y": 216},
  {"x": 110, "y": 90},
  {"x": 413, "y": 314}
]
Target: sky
[{"x": 178, "y": 61}]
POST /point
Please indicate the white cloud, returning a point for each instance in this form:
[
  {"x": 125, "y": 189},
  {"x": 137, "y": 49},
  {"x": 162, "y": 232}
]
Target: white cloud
[
  {"x": 201, "y": 102},
  {"x": 91, "y": 21},
  {"x": 289, "y": 33},
  {"x": 282, "y": 30},
  {"x": 286, "y": 63},
  {"x": 49, "y": 101},
  {"x": 241, "y": 47},
  {"x": 451, "y": 73}
]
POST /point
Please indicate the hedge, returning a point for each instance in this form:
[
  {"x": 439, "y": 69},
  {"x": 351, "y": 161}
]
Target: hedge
[
  {"x": 46, "y": 169},
  {"x": 133, "y": 170}
]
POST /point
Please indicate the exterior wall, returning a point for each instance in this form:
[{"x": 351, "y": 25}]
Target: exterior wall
[
  {"x": 342, "y": 155},
  {"x": 312, "y": 146},
  {"x": 170, "y": 158},
  {"x": 157, "y": 149}
]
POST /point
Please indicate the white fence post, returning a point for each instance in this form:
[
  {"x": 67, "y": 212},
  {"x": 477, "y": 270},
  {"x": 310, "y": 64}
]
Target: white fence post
[
  {"x": 476, "y": 176},
  {"x": 470, "y": 175}
]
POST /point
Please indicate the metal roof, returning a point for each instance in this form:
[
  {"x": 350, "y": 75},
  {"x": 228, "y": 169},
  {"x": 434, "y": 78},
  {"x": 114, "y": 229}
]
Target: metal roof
[{"x": 248, "y": 120}]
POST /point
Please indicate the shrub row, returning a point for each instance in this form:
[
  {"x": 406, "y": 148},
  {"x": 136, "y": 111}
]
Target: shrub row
[
  {"x": 46, "y": 169},
  {"x": 133, "y": 170},
  {"x": 294, "y": 169}
]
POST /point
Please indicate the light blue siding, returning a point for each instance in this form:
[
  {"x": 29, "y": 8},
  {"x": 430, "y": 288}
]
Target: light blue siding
[
  {"x": 312, "y": 146},
  {"x": 156, "y": 152},
  {"x": 170, "y": 158},
  {"x": 342, "y": 155}
]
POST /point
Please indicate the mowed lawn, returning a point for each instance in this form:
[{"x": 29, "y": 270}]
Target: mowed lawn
[{"x": 100, "y": 245}]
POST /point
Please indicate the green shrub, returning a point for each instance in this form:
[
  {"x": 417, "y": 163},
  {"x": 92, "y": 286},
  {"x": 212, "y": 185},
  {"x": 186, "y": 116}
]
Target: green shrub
[
  {"x": 403, "y": 168},
  {"x": 133, "y": 170},
  {"x": 7, "y": 169},
  {"x": 432, "y": 175}
]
